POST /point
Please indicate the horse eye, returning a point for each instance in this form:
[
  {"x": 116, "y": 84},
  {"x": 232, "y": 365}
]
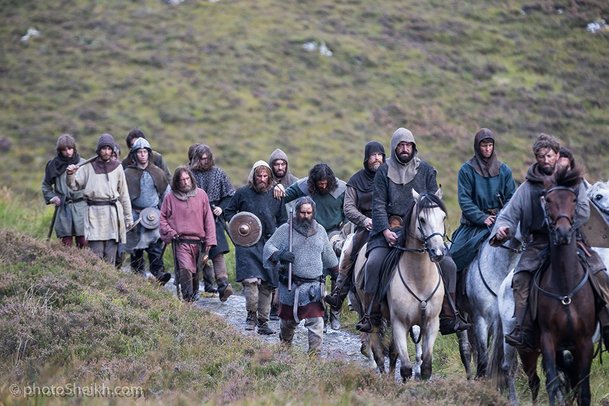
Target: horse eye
[
  {"x": 422, "y": 220},
  {"x": 598, "y": 197}
]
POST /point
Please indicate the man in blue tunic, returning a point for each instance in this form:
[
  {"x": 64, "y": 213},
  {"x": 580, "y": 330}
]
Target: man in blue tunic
[{"x": 485, "y": 186}]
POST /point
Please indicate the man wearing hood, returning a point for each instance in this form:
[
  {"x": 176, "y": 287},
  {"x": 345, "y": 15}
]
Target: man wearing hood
[
  {"x": 485, "y": 185},
  {"x": 526, "y": 208},
  {"x": 70, "y": 205},
  {"x": 358, "y": 210},
  {"x": 258, "y": 281},
  {"x": 215, "y": 182},
  {"x": 392, "y": 200},
  {"x": 109, "y": 207},
  {"x": 188, "y": 223},
  {"x": 147, "y": 186}
]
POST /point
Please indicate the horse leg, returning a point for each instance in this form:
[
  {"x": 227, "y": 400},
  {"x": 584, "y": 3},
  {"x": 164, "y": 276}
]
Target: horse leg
[
  {"x": 429, "y": 338},
  {"x": 400, "y": 340},
  {"x": 415, "y": 335},
  {"x": 580, "y": 372},
  {"x": 465, "y": 352},
  {"x": 376, "y": 345},
  {"x": 548, "y": 351},
  {"x": 481, "y": 331},
  {"x": 529, "y": 364}
]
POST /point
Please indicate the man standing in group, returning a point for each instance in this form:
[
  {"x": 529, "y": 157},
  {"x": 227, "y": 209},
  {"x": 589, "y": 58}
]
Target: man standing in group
[
  {"x": 215, "y": 182},
  {"x": 156, "y": 158},
  {"x": 311, "y": 253},
  {"x": 70, "y": 206},
  {"x": 328, "y": 193},
  {"x": 188, "y": 223},
  {"x": 525, "y": 211},
  {"x": 147, "y": 187},
  {"x": 392, "y": 199},
  {"x": 282, "y": 179},
  {"x": 485, "y": 185},
  {"x": 109, "y": 207},
  {"x": 258, "y": 281},
  {"x": 358, "y": 210}
]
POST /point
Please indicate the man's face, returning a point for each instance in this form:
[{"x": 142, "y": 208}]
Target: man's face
[
  {"x": 374, "y": 161},
  {"x": 546, "y": 159},
  {"x": 185, "y": 182},
  {"x": 486, "y": 148},
  {"x": 142, "y": 156},
  {"x": 67, "y": 152},
  {"x": 105, "y": 153},
  {"x": 280, "y": 167},
  {"x": 322, "y": 187},
  {"x": 261, "y": 180},
  {"x": 404, "y": 151},
  {"x": 205, "y": 162},
  {"x": 305, "y": 214}
]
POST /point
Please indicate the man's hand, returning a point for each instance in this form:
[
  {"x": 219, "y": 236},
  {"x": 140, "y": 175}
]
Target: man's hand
[
  {"x": 217, "y": 210},
  {"x": 71, "y": 169},
  {"x": 490, "y": 220},
  {"x": 278, "y": 191},
  {"x": 368, "y": 224},
  {"x": 502, "y": 234},
  {"x": 287, "y": 256},
  {"x": 55, "y": 200},
  {"x": 390, "y": 237}
]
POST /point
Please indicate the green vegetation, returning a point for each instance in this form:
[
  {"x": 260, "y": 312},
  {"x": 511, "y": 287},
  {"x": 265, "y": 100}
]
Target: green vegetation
[{"x": 234, "y": 75}]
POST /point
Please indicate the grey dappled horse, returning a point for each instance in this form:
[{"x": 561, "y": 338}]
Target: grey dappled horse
[{"x": 598, "y": 194}]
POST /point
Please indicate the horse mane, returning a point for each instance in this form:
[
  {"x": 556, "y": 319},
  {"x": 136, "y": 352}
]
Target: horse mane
[
  {"x": 569, "y": 177},
  {"x": 425, "y": 201}
]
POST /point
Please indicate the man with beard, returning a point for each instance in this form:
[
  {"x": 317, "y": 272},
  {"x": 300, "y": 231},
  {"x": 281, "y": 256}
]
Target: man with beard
[
  {"x": 358, "y": 210},
  {"x": 215, "y": 182},
  {"x": 392, "y": 200},
  {"x": 311, "y": 253},
  {"x": 156, "y": 158},
  {"x": 188, "y": 223},
  {"x": 258, "y": 281},
  {"x": 526, "y": 208},
  {"x": 147, "y": 186},
  {"x": 485, "y": 185},
  {"x": 282, "y": 179},
  {"x": 70, "y": 205},
  {"x": 109, "y": 207}
]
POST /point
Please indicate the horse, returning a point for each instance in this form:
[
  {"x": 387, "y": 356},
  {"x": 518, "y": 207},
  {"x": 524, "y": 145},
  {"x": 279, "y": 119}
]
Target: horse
[
  {"x": 566, "y": 301},
  {"x": 416, "y": 291},
  {"x": 482, "y": 280},
  {"x": 598, "y": 194}
]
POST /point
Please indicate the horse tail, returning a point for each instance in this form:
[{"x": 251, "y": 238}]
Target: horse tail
[{"x": 496, "y": 371}]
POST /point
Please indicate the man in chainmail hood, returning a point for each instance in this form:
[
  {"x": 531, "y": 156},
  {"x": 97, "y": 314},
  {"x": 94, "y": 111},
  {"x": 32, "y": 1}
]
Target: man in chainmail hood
[{"x": 311, "y": 253}]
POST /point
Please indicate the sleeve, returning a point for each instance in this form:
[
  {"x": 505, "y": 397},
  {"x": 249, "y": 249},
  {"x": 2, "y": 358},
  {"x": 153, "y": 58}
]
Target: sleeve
[
  {"x": 277, "y": 242},
  {"x": 48, "y": 192},
  {"x": 380, "y": 220},
  {"x": 232, "y": 207},
  {"x": 78, "y": 180},
  {"x": 123, "y": 196},
  {"x": 465, "y": 193},
  {"x": 328, "y": 256},
  {"x": 512, "y": 213},
  {"x": 167, "y": 232},
  {"x": 209, "y": 223},
  {"x": 510, "y": 185},
  {"x": 582, "y": 211},
  {"x": 292, "y": 193},
  {"x": 432, "y": 183},
  {"x": 281, "y": 217},
  {"x": 350, "y": 207}
]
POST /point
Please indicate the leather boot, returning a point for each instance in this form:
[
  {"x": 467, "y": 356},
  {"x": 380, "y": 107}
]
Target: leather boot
[
  {"x": 250, "y": 321},
  {"x": 520, "y": 336},
  {"x": 339, "y": 293},
  {"x": 450, "y": 320},
  {"x": 224, "y": 290},
  {"x": 263, "y": 327},
  {"x": 365, "y": 325}
]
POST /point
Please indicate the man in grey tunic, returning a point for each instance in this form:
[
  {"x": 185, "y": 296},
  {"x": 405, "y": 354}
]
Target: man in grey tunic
[{"x": 311, "y": 253}]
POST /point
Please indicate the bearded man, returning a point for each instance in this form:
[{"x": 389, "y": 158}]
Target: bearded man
[
  {"x": 109, "y": 207},
  {"x": 311, "y": 253},
  {"x": 70, "y": 205},
  {"x": 188, "y": 223},
  {"x": 215, "y": 182},
  {"x": 358, "y": 210},
  {"x": 147, "y": 186},
  {"x": 392, "y": 199},
  {"x": 258, "y": 281},
  {"x": 526, "y": 209},
  {"x": 485, "y": 185}
]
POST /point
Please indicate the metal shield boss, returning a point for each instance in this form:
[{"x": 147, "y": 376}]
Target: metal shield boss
[
  {"x": 146, "y": 232},
  {"x": 245, "y": 229}
]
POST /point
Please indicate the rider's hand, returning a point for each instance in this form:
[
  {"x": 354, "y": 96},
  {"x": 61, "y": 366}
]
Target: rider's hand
[
  {"x": 490, "y": 220},
  {"x": 502, "y": 233},
  {"x": 55, "y": 200},
  {"x": 390, "y": 237},
  {"x": 368, "y": 224},
  {"x": 217, "y": 210}
]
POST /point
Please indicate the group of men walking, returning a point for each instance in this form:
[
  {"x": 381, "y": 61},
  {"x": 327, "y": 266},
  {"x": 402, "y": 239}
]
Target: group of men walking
[{"x": 300, "y": 222}]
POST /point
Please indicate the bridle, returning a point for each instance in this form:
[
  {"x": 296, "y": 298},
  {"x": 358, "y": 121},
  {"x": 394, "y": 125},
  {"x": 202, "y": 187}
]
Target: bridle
[
  {"x": 422, "y": 236},
  {"x": 551, "y": 222}
]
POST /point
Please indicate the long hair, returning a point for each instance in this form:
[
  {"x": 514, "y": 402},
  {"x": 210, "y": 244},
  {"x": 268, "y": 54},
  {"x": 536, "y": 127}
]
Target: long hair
[
  {"x": 321, "y": 172},
  {"x": 198, "y": 153},
  {"x": 134, "y": 134},
  {"x": 65, "y": 141},
  {"x": 175, "y": 181}
]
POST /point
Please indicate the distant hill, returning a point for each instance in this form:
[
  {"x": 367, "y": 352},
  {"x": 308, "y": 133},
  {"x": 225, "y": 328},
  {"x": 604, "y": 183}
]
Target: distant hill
[{"x": 246, "y": 77}]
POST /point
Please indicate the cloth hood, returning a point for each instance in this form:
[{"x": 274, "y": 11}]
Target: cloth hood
[
  {"x": 399, "y": 172},
  {"x": 105, "y": 140},
  {"x": 250, "y": 178}
]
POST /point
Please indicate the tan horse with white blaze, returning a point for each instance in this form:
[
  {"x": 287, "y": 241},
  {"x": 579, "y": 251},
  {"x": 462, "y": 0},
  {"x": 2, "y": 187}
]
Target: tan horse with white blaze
[{"x": 416, "y": 290}]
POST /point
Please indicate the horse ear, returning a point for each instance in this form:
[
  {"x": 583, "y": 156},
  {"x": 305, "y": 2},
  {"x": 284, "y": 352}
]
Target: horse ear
[
  {"x": 439, "y": 193},
  {"x": 415, "y": 194}
]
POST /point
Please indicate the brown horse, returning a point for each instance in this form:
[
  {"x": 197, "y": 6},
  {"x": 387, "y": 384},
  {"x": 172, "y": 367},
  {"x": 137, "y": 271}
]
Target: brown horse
[{"x": 565, "y": 309}]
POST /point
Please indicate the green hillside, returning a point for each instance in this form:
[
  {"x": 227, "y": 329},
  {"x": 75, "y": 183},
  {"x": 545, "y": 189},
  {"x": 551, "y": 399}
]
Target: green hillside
[{"x": 235, "y": 75}]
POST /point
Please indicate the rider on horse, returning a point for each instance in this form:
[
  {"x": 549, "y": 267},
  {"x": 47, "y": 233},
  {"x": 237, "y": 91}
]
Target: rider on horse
[{"x": 526, "y": 207}]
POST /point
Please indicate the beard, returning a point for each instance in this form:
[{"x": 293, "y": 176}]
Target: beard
[
  {"x": 304, "y": 224},
  {"x": 374, "y": 166},
  {"x": 261, "y": 186},
  {"x": 323, "y": 191},
  {"x": 279, "y": 173},
  {"x": 547, "y": 170},
  {"x": 405, "y": 157}
]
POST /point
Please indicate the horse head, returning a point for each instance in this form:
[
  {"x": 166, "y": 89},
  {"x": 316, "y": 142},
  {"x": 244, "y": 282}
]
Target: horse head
[
  {"x": 560, "y": 203},
  {"x": 430, "y": 215},
  {"x": 599, "y": 195}
]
